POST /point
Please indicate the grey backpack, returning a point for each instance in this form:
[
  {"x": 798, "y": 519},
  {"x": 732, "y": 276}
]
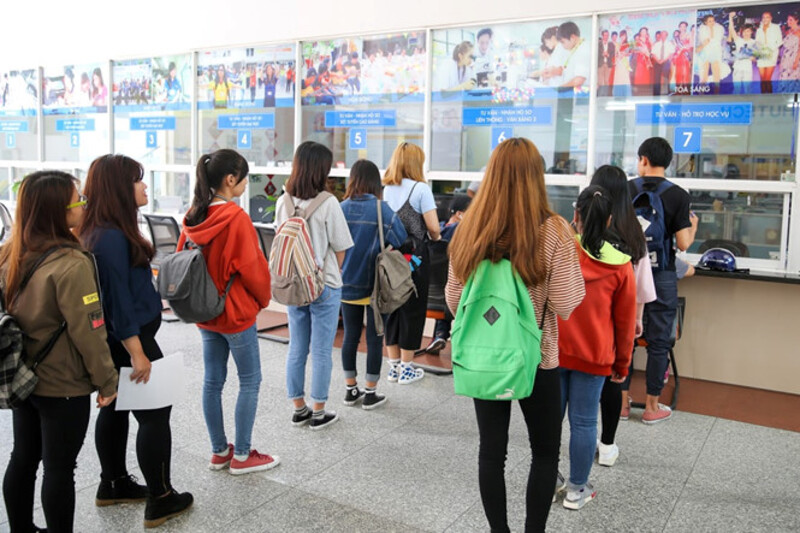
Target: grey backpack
[
  {"x": 393, "y": 284},
  {"x": 184, "y": 281}
]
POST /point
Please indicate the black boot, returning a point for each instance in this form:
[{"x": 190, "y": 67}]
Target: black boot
[
  {"x": 122, "y": 490},
  {"x": 159, "y": 510}
]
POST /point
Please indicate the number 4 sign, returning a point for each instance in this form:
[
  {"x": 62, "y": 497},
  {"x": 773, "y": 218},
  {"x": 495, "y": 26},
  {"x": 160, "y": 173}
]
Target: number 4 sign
[
  {"x": 687, "y": 140},
  {"x": 244, "y": 139}
]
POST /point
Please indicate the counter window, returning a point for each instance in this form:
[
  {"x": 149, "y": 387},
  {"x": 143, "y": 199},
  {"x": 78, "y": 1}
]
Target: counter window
[{"x": 171, "y": 192}]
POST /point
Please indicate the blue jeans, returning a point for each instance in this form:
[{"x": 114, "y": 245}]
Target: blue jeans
[
  {"x": 244, "y": 347},
  {"x": 313, "y": 326},
  {"x": 580, "y": 394},
  {"x": 353, "y": 318}
]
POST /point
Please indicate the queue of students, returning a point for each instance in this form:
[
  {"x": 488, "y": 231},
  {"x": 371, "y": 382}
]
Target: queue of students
[{"x": 580, "y": 282}]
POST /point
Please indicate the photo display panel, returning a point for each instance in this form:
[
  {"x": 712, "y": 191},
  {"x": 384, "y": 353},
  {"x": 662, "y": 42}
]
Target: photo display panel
[
  {"x": 19, "y": 104},
  {"x": 498, "y": 81},
  {"x": 75, "y": 102},
  {"x": 152, "y": 109},
  {"x": 245, "y": 100},
  {"x": 361, "y": 97}
]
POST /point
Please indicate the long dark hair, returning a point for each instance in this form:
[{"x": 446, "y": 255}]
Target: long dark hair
[
  {"x": 365, "y": 178},
  {"x": 39, "y": 224},
  {"x": 211, "y": 170},
  {"x": 594, "y": 208},
  {"x": 625, "y": 231},
  {"x": 111, "y": 202},
  {"x": 310, "y": 169}
]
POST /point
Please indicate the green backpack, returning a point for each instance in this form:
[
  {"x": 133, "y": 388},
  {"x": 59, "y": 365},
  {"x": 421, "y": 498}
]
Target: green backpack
[{"x": 496, "y": 340}]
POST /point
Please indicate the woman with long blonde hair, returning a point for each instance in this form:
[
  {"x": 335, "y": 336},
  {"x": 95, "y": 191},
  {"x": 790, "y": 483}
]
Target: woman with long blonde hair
[
  {"x": 511, "y": 218},
  {"x": 411, "y": 198}
]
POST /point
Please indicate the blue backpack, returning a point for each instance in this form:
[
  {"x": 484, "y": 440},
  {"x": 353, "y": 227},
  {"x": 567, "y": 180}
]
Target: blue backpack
[{"x": 650, "y": 211}]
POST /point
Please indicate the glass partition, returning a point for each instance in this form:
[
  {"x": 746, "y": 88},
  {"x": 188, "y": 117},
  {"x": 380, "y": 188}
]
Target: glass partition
[
  {"x": 264, "y": 190},
  {"x": 171, "y": 193},
  {"x": 19, "y": 104}
]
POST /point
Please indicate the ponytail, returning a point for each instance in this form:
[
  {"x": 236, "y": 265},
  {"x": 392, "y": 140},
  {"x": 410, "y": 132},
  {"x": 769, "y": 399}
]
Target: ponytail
[
  {"x": 594, "y": 208},
  {"x": 211, "y": 170}
]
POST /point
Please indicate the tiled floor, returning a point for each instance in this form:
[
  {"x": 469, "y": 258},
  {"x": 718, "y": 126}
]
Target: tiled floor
[{"x": 412, "y": 466}]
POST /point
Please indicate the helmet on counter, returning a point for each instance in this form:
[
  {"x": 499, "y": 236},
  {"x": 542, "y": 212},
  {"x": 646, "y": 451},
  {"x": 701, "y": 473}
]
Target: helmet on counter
[{"x": 718, "y": 259}]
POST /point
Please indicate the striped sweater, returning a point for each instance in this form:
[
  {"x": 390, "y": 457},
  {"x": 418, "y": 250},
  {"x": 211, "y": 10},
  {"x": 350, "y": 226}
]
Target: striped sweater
[{"x": 563, "y": 287}]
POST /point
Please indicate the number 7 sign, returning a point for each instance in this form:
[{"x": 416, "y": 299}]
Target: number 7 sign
[{"x": 687, "y": 140}]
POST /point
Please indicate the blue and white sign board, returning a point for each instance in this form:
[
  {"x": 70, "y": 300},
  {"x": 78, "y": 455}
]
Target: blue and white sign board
[
  {"x": 501, "y": 134},
  {"x": 74, "y": 139},
  {"x": 152, "y": 123},
  {"x": 11, "y": 140},
  {"x": 244, "y": 139},
  {"x": 508, "y": 116},
  {"x": 358, "y": 138},
  {"x": 383, "y": 118},
  {"x": 252, "y": 121},
  {"x": 152, "y": 139},
  {"x": 75, "y": 124},
  {"x": 687, "y": 140},
  {"x": 730, "y": 114},
  {"x": 19, "y": 126}
]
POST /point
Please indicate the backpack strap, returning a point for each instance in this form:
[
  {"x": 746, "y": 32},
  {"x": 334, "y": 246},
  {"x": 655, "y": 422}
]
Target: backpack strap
[
  {"x": 662, "y": 187},
  {"x": 318, "y": 200},
  {"x": 380, "y": 225},
  {"x": 412, "y": 192}
]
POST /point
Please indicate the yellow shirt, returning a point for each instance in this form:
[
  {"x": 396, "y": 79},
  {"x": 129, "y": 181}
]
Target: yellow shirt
[{"x": 362, "y": 301}]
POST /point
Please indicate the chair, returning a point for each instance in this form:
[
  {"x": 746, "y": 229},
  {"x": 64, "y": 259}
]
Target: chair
[
  {"x": 164, "y": 232},
  {"x": 737, "y": 248},
  {"x": 266, "y": 235},
  {"x": 6, "y": 222},
  {"x": 677, "y": 330}
]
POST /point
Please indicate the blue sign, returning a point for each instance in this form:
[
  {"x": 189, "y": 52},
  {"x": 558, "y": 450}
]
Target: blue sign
[
  {"x": 75, "y": 139},
  {"x": 256, "y": 121},
  {"x": 152, "y": 124},
  {"x": 501, "y": 134},
  {"x": 75, "y": 124},
  {"x": 19, "y": 126},
  {"x": 11, "y": 140},
  {"x": 358, "y": 138},
  {"x": 152, "y": 139},
  {"x": 383, "y": 118},
  {"x": 508, "y": 116},
  {"x": 687, "y": 140},
  {"x": 731, "y": 114},
  {"x": 244, "y": 139}
]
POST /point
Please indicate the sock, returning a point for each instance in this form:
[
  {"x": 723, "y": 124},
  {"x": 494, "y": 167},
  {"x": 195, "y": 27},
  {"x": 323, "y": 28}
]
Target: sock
[
  {"x": 370, "y": 390},
  {"x": 318, "y": 414},
  {"x": 351, "y": 387},
  {"x": 241, "y": 457},
  {"x": 302, "y": 411},
  {"x": 222, "y": 453},
  {"x": 394, "y": 362}
]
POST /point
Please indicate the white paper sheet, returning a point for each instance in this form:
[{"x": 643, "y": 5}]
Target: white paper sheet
[{"x": 164, "y": 388}]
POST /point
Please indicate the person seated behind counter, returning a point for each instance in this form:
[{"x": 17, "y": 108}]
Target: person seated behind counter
[{"x": 441, "y": 331}]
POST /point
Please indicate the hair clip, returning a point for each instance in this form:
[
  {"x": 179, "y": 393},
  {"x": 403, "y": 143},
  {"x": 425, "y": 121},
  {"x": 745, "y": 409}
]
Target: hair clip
[{"x": 598, "y": 193}]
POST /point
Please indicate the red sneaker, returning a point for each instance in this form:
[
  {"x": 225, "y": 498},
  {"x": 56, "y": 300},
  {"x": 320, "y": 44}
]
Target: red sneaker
[
  {"x": 662, "y": 414},
  {"x": 625, "y": 413},
  {"x": 255, "y": 462},
  {"x": 218, "y": 462}
]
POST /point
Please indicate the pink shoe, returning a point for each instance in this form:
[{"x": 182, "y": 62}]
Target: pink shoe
[
  {"x": 625, "y": 413},
  {"x": 218, "y": 462},
  {"x": 662, "y": 414},
  {"x": 255, "y": 462}
]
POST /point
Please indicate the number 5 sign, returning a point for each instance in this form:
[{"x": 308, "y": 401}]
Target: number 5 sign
[
  {"x": 687, "y": 140},
  {"x": 358, "y": 138}
]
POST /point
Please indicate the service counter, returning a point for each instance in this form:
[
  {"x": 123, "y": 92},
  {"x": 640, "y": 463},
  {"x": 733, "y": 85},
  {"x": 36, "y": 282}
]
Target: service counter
[{"x": 741, "y": 329}]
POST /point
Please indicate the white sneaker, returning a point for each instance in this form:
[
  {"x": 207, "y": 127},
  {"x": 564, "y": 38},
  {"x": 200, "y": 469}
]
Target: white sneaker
[
  {"x": 561, "y": 487},
  {"x": 608, "y": 454},
  {"x": 410, "y": 374},
  {"x": 394, "y": 372},
  {"x": 576, "y": 499}
]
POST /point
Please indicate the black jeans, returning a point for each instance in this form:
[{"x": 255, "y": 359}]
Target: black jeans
[
  {"x": 610, "y": 407},
  {"x": 542, "y": 412},
  {"x": 154, "y": 438},
  {"x": 353, "y": 318},
  {"x": 441, "y": 329},
  {"x": 50, "y": 430}
]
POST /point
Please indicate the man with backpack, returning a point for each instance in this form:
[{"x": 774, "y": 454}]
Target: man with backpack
[{"x": 663, "y": 209}]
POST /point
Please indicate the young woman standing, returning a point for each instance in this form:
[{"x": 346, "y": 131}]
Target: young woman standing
[
  {"x": 411, "y": 198},
  {"x": 511, "y": 218},
  {"x": 59, "y": 302},
  {"x": 115, "y": 191},
  {"x": 360, "y": 209},
  {"x": 314, "y": 326},
  {"x": 231, "y": 250}
]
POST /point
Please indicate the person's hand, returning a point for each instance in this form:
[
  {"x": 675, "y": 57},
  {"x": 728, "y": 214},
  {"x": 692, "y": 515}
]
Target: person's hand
[
  {"x": 616, "y": 377},
  {"x": 469, "y": 84},
  {"x": 141, "y": 369},
  {"x": 693, "y": 220},
  {"x": 103, "y": 401},
  {"x": 637, "y": 332}
]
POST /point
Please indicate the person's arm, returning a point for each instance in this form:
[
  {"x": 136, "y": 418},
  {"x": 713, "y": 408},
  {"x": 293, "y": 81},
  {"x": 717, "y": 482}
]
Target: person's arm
[
  {"x": 77, "y": 295},
  {"x": 577, "y": 81},
  {"x": 426, "y": 204},
  {"x": 685, "y": 237},
  {"x": 338, "y": 231},
  {"x": 566, "y": 288},
  {"x": 624, "y": 312},
  {"x": 249, "y": 262},
  {"x": 731, "y": 28},
  {"x": 432, "y": 224},
  {"x": 452, "y": 290}
]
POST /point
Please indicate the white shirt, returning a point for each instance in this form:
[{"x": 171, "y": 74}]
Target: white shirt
[
  {"x": 663, "y": 50},
  {"x": 771, "y": 39},
  {"x": 577, "y": 63}
]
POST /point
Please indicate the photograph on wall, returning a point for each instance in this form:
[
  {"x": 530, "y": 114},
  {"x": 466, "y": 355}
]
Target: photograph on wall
[
  {"x": 258, "y": 77},
  {"x": 19, "y": 95},
  {"x": 364, "y": 70},
  {"x": 512, "y": 62},
  {"x": 72, "y": 89},
  {"x": 751, "y": 49},
  {"x": 647, "y": 53},
  {"x": 162, "y": 81}
]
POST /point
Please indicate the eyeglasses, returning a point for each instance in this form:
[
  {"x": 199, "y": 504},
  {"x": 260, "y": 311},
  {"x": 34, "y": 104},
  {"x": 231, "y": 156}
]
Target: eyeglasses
[{"x": 80, "y": 203}]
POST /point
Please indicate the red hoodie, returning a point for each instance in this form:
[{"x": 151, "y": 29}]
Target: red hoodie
[
  {"x": 231, "y": 247},
  {"x": 598, "y": 336}
]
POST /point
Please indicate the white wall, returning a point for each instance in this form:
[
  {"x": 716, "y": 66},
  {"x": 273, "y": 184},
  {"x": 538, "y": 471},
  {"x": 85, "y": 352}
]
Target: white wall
[{"x": 54, "y": 32}]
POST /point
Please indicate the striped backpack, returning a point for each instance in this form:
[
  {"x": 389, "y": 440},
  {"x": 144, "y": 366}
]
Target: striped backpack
[{"x": 297, "y": 279}]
